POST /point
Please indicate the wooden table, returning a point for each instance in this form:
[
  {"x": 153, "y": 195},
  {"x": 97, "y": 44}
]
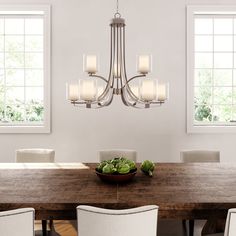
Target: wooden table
[{"x": 182, "y": 191}]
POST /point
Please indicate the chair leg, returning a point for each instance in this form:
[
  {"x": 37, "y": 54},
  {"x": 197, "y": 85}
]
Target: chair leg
[
  {"x": 191, "y": 227},
  {"x": 44, "y": 227},
  {"x": 185, "y": 233}
]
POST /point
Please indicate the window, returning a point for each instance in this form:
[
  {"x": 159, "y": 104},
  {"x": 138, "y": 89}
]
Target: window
[
  {"x": 24, "y": 69},
  {"x": 211, "y": 69}
]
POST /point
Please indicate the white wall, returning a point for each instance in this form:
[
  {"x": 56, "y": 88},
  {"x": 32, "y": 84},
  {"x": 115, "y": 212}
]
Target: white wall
[{"x": 156, "y": 27}]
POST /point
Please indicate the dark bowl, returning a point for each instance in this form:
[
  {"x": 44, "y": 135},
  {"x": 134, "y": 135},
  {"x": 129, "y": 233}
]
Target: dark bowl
[{"x": 116, "y": 178}]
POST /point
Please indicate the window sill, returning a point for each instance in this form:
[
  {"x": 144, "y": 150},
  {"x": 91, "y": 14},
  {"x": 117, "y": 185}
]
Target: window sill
[
  {"x": 10, "y": 129},
  {"x": 217, "y": 129}
]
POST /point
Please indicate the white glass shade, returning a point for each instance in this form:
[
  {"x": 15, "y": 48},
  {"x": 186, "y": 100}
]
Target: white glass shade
[
  {"x": 72, "y": 91},
  {"x": 148, "y": 91},
  {"x": 162, "y": 92},
  {"x": 88, "y": 89},
  {"x": 90, "y": 64},
  {"x": 144, "y": 64}
]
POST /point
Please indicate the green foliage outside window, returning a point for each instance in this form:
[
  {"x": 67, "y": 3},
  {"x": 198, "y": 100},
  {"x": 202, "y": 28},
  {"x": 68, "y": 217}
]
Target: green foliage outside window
[{"x": 32, "y": 112}]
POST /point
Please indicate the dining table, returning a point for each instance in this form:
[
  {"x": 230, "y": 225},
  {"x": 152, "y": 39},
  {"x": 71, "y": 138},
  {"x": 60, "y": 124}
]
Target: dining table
[{"x": 181, "y": 190}]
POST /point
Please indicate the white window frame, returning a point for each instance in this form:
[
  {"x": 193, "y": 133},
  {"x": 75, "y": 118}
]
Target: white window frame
[
  {"x": 191, "y": 12},
  {"x": 46, "y": 126}
]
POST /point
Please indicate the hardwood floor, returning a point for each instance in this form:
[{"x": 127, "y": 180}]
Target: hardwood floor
[{"x": 62, "y": 228}]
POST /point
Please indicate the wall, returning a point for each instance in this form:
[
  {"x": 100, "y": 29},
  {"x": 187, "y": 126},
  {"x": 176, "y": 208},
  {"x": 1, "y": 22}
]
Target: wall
[{"x": 156, "y": 27}]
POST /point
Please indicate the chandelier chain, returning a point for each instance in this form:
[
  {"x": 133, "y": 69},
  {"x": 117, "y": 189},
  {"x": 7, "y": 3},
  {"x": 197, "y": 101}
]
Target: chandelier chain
[{"x": 117, "y": 6}]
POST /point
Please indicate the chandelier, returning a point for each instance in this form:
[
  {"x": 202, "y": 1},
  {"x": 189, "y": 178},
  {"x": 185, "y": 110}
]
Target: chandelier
[{"x": 97, "y": 91}]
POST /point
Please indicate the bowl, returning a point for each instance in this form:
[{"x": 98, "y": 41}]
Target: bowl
[{"x": 116, "y": 178}]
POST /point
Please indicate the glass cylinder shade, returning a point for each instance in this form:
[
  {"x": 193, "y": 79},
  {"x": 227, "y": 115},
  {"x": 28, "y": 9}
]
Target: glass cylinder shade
[
  {"x": 144, "y": 63},
  {"x": 148, "y": 90},
  {"x": 72, "y": 92},
  {"x": 162, "y": 92},
  {"x": 90, "y": 64},
  {"x": 88, "y": 89}
]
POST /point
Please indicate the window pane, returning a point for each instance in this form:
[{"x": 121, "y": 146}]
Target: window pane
[
  {"x": 14, "y": 60},
  {"x": 203, "y": 77},
  {"x": 202, "y": 95},
  {"x": 222, "y": 95},
  {"x": 33, "y": 26},
  {"x": 1, "y": 60},
  {"x": 234, "y": 60},
  {"x": 1, "y": 43},
  {"x": 1, "y": 26},
  {"x": 34, "y": 43},
  {"x": 223, "y": 26},
  {"x": 203, "y": 113},
  {"x": 14, "y": 95},
  {"x": 34, "y": 94},
  {"x": 203, "y": 26},
  {"x": 34, "y": 77},
  {"x": 34, "y": 60},
  {"x": 222, "y": 113},
  {"x": 14, "y": 26},
  {"x": 223, "y": 60},
  {"x": 222, "y": 77},
  {"x": 15, "y": 77},
  {"x": 203, "y": 60},
  {"x": 234, "y": 95},
  {"x": 234, "y": 82},
  {"x": 204, "y": 43},
  {"x": 15, "y": 113},
  {"x": 14, "y": 43},
  {"x": 35, "y": 112},
  {"x": 223, "y": 43},
  {"x": 2, "y": 82}
]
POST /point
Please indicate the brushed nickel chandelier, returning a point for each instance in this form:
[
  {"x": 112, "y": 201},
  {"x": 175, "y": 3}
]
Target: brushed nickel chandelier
[{"x": 97, "y": 91}]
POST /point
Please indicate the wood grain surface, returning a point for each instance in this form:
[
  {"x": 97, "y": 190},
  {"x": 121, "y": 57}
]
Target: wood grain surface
[{"x": 182, "y": 191}]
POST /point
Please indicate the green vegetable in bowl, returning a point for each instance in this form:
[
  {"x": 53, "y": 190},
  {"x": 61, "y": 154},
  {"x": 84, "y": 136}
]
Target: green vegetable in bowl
[
  {"x": 118, "y": 165},
  {"x": 123, "y": 168},
  {"x": 101, "y": 165},
  {"x": 108, "y": 169},
  {"x": 148, "y": 167},
  {"x": 131, "y": 164}
]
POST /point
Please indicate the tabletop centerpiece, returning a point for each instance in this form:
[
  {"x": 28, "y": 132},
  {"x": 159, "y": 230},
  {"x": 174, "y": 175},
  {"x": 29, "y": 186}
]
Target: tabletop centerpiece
[{"x": 116, "y": 170}]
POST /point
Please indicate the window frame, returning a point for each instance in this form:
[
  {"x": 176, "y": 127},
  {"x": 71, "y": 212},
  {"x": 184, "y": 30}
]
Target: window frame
[
  {"x": 192, "y": 10},
  {"x": 46, "y": 126}
]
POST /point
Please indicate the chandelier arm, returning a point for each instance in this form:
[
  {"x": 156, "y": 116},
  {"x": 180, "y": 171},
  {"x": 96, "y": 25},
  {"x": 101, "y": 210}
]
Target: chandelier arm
[
  {"x": 134, "y": 77},
  {"x": 124, "y": 62},
  {"x": 124, "y": 100},
  {"x": 108, "y": 102},
  {"x": 117, "y": 58},
  {"x": 121, "y": 59},
  {"x": 135, "y": 104},
  {"x": 114, "y": 55},
  {"x": 98, "y": 76},
  {"x": 77, "y": 102},
  {"x": 110, "y": 77}
]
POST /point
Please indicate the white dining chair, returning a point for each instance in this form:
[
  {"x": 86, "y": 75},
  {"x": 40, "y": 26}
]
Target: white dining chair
[
  {"x": 140, "y": 221},
  {"x": 112, "y": 153},
  {"x": 19, "y": 222},
  {"x": 37, "y": 155},
  {"x": 195, "y": 156},
  {"x": 230, "y": 226},
  {"x": 200, "y": 156}
]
